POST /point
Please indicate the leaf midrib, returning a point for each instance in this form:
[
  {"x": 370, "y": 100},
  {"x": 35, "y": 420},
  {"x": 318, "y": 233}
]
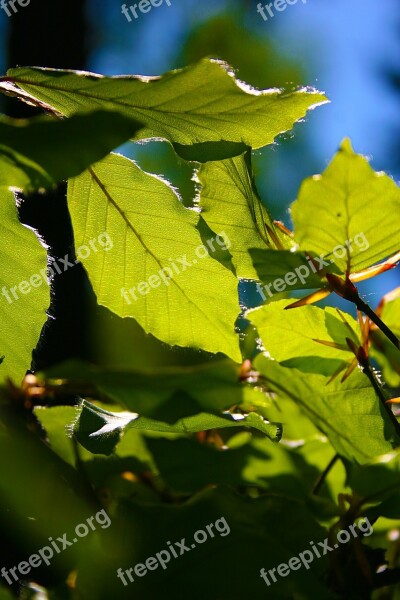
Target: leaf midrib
[
  {"x": 134, "y": 106},
  {"x": 151, "y": 253}
]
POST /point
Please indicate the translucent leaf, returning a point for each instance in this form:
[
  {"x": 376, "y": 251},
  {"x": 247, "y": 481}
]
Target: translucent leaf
[
  {"x": 290, "y": 337},
  {"x": 144, "y": 274},
  {"x": 387, "y": 355},
  {"x": 25, "y": 294},
  {"x": 229, "y": 199},
  {"x": 348, "y": 413},
  {"x": 190, "y": 106},
  {"x": 348, "y": 213}
]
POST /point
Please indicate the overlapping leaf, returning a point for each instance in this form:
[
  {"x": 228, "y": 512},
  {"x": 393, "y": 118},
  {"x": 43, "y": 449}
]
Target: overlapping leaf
[
  {"x": 284, "y": 271},
  {"x": 263, "y": 532},
  {"x": 202, "y": 103},
  {"x": 293, "y": 337},
  {"x": 349, "y": 413},
  {"x": 43, "y": 151},
  {"x": 229, "y": 199},
  {"x": 165, "y": 391},
  {"x": 151, "y": 231},
  {"x": 99, "y": 430},
  {"x": 378, "y": 482},
  {"x": 276, "y": 467}
]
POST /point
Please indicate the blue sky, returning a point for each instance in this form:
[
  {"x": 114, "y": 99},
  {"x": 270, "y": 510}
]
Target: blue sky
[{"x": 347, "y": 45}]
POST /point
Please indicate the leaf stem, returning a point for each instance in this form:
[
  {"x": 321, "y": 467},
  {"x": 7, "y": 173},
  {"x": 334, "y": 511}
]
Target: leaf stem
[
  {"x": 366, "y": 367},
  {"x": 346, "y": 289},
  {"x": 324, "y": 474},
  {"x": 367, "y": 310}
]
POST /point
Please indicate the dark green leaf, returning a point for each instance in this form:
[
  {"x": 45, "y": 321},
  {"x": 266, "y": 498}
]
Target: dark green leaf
[{"x": 43, "y": 151}]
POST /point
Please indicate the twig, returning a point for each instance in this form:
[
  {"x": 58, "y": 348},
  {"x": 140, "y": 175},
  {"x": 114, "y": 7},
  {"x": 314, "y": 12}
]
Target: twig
[
  {"x": 324, "y": 474},
  {"x": 366, "y": 367},
  {"x": 367, "y": 310},
  {"x": 346, "y": 289}
]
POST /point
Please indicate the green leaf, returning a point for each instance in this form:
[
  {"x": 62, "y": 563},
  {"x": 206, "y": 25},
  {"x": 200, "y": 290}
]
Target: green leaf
[
  {"x": 194, "y": 304},
  {"x": 382, "y": 350},
  {"x": 40, "y": 495},
  {"x": 378, "y": 483},
  {"x": 162, "y": 393},
  {"x": 5, "y": 594},
  {"x": 190, "y": 106},
  {"x": 349, "y": 203},
  {"x": 25, "y": 293},
  {"x": 276, "y": 467},
  {"x": 290, "y": 336},
  {"x": 349, "y": 413},
  {"x": 285, "y": 271},
  {"x": 229, "y": 199},
  {"x": 257, "y": 533},
  {"x": 56, "y": 421},
  {"x": 32, "y": 157},
  {"x": 99, "y": 431}
]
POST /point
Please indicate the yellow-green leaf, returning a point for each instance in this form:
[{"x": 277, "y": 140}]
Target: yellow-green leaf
[{"x": 144, "y": 275}]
